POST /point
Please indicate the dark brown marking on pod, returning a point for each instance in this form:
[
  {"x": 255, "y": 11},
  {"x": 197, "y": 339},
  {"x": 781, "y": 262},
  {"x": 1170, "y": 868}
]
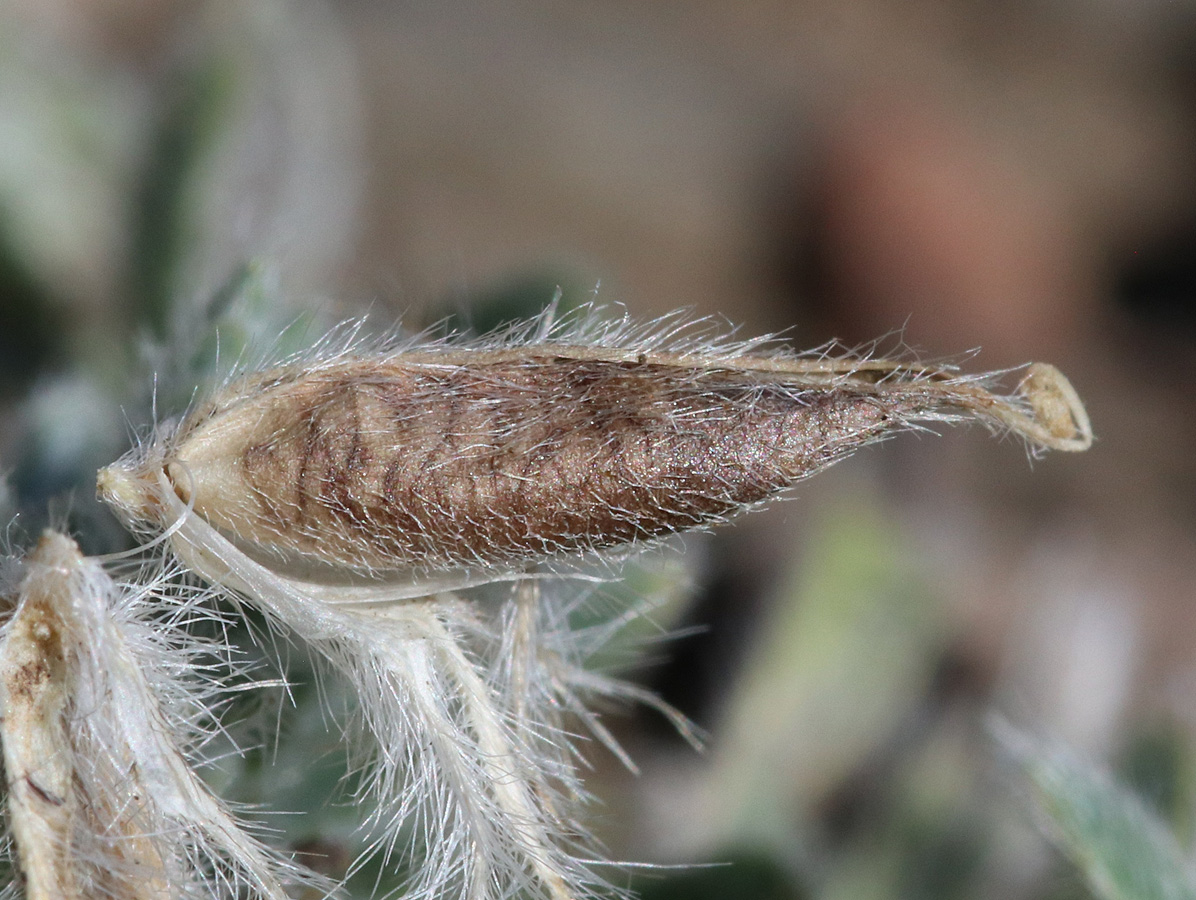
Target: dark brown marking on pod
[{"x": 388, "y": 464}]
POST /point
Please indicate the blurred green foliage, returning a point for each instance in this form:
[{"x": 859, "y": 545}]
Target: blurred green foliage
[
  {"x": 1122, "y": 849},
  {"x": 163, "y": 230}
]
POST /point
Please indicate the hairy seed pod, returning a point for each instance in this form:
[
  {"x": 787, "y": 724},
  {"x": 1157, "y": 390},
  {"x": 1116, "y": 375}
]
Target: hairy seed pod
[
  {"x": 326, "y": 488},
  {"x": 501, "y": 457}
]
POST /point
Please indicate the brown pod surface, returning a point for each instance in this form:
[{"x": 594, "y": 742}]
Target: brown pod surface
[{"x": 382, "y": 464}]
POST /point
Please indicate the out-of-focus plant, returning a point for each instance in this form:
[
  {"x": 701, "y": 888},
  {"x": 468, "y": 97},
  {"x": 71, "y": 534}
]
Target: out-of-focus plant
[
  {"x": 1122, "y": 848},
  {"x": 74, "y": 380}
]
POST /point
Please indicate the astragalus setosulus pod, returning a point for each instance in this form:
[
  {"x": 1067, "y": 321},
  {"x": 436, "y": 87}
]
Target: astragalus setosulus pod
[{"x": 353, "y": 492}]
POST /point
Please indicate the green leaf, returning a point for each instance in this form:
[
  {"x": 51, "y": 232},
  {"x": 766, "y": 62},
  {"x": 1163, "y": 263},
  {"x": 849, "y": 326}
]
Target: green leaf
[
  {"x": 1122, "y": 849},
  {"x": 162, "y": 231}
]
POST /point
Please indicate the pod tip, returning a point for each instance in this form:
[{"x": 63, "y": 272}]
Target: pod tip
[{"x": 1059, "y": 414}]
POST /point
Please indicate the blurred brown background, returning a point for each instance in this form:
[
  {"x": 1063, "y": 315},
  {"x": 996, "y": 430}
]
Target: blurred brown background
[{"x": 947, "y": 174}]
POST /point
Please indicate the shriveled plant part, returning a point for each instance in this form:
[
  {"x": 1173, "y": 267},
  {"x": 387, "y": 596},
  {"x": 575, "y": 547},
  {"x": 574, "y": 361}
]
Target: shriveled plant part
[
  {"x": 351, "y": 493},
  {"x": 105, "y": 701}
]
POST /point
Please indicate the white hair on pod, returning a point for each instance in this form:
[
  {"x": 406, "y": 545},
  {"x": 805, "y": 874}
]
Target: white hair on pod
[{"x": 350, "y": 493}]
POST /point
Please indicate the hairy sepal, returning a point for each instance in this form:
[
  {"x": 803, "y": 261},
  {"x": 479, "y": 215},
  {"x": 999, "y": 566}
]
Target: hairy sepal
[
  {"x": 105, "y": 702},
  {"x": 468, "y": 764}
]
